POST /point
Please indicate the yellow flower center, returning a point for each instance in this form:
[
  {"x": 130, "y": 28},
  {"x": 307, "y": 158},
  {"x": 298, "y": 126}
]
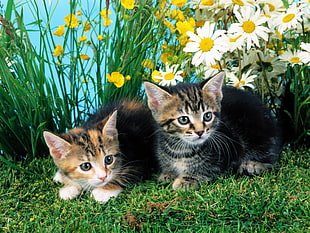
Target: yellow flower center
[
  {"x": 206, "y": 44},
  {"x": 265, "y": 15},
  {"x": 295, "y": 60},
  {"x": 238, "y": 2},
  {"x": 216, "y": 66},
  {"x": 234, "y": 39},
  {"x": 271, "y": 7},
  {"x": 248, "y": 26},
  {"x": 288, "y": 18},
  {"x": 240, "y": 84},
  {"x": 207, "y": 2},
  {"x": 169, "y": 76}
]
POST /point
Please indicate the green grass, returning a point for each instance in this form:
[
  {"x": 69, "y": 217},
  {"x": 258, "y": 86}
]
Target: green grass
[{"x": 277, "y": 201}]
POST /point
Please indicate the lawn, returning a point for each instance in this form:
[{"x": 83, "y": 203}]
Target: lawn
[{"x": 277, "y": 201}]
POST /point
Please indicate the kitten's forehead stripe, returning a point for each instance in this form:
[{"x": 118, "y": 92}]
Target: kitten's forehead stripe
[
  {"x": 193, "y": 100},
  {"x": 86, "y": 141}
]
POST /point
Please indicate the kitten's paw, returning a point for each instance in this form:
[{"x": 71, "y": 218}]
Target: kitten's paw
[
  {"x": 166, "y": 177},
  {"x": 69, "y": 192},
  {"x": 58, "y": 177},
  {"x": 185, "y": 183},
  {"x": 103, "y": 195},
  {"x": 253, "y": 168}
]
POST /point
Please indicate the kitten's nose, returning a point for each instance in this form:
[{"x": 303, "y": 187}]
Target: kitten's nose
[
  {"x": 199, "y": 132},
  {"x": 102, "y": 178}
]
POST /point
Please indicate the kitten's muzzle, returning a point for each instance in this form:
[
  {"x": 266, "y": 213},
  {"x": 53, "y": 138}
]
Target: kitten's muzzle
[
  {"x": 102, "y": 178},
  {"x": 199, "y": 132}
]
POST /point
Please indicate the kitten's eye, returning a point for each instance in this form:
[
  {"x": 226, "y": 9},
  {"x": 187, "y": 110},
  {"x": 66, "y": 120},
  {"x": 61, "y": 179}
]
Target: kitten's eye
[
  {"x": 108, "y": 160},
  {"x": 207, "y": 116},
  {"x": 183, "y": 120},
  {"x": 86, "y": 166}
]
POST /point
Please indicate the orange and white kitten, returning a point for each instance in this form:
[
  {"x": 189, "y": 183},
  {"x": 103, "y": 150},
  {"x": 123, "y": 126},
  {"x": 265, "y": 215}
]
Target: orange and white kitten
[{"x": 113, "y": 148}]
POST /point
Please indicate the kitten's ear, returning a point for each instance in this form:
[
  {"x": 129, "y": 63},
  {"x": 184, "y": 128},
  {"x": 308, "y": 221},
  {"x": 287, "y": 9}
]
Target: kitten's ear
[
  {"x": 109, "y": 128},
  {"x": 59, "y": 147},
  {"x": 156, "y": 96},
  {"x": 214, "y": 85}
]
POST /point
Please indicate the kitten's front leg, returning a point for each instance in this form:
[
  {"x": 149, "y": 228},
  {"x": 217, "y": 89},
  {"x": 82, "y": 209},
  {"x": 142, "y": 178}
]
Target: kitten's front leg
[
  {"x": 69, "y": 192},
  {"x": 166, "y": 177},
  {"x": 103, "y": 194},
  {"x": 185, "y": 182},
  {"x": 58, "y": 177}
]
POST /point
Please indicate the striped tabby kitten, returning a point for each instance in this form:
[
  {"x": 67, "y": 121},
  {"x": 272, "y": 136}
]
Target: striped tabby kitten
[
  {"x": 207, "y": 130},
  {"x": 113, "y": 148}
]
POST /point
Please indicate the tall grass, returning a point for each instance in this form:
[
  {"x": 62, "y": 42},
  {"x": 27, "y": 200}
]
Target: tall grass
[
  {"x": 42, "y": 90},
  {"x": 55, "y": 83}
]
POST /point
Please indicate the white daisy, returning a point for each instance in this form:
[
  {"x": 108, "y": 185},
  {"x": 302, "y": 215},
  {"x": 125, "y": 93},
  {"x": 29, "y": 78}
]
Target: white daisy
[
  {"x": 305, "y": 55},
  {"x": 235, "y": 3},
  {"x": 170, "y": 76},
  {"x": 203, "y": 4},
  {"x": 288, "y": 19},
  {"x": 292, "y": 57},
  {"x": 270, "y": 63},
  {"x": 208, "y": 45},
  {"x": 249, "y": 26},
  {"x": 245, "y": 81},
  {"x": 234, "y": 42},
  {"x": 272, "y": 5},
  {"x": 211, "y": 70}
]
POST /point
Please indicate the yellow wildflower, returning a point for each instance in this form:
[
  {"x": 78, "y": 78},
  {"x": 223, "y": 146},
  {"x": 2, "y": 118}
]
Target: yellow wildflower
[
  {"x": 159, "y": 15},
  {"x": 164, "y": 57},
  {"x": 179, "y": 3},
  {"x": 86, "y": 27},
  {"x": 177, "y": 15},
  {"x": 84, "y": 56},
  {"x": 116, "y": 78},
  {"x": 107, "y": 21},
  {"x": 128, "y": 4},
  {"x": 58, "y": 50},
  {"x": 148, "y": 63},
  {"x": 186, "y": 26},
  {"x": 71, "y": 21},
  {"x": 169, "y": 25},
  {"x": 207, "y": 2},
  {"x": 79, "y": 13},
  {"x": 156, "y": 73},
  {"x": 100, "y": 37},
  {"x": 164, "y": 46},
  {"x": 163, "y": 5},
  {"x": 105, "y": 13},
  {"x": 82, "y": 38},
  {"x": 60, "y": 31},
  {"x": 183, "y": 39},
  {"x": 128, "y": 77}
]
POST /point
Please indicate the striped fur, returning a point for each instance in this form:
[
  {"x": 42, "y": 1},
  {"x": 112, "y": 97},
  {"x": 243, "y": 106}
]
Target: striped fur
[{"x": 207, "y": 130}]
